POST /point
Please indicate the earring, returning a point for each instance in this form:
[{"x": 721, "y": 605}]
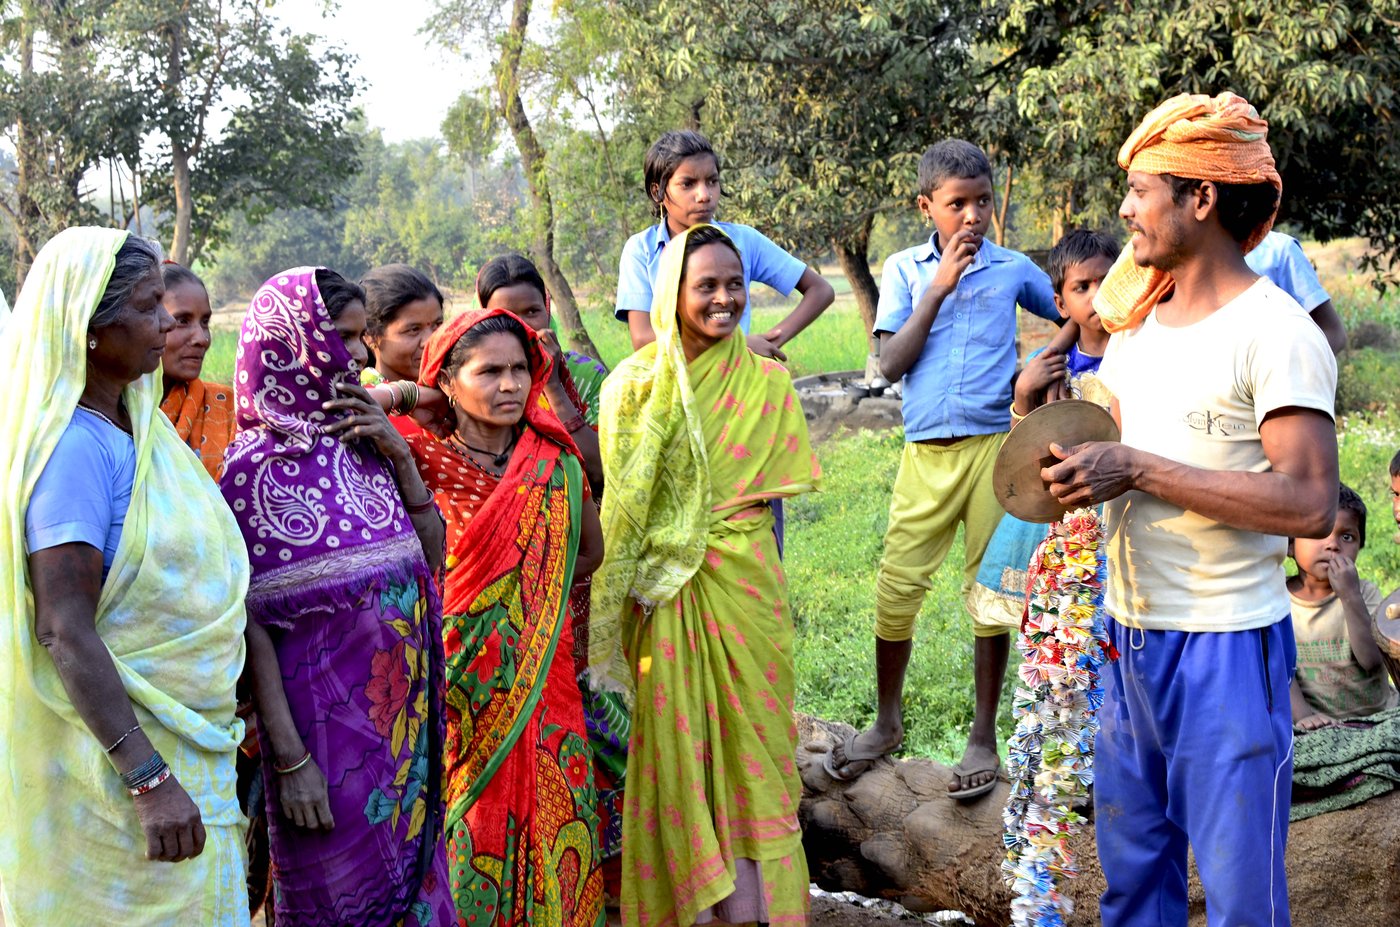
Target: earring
[{"x": 92, "y": 344}]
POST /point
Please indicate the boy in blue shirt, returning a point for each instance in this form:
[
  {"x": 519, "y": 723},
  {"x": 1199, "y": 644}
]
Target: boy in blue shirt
[
  {"x": 1280, "y": 258},
  {"x": 947, "y": 326}
]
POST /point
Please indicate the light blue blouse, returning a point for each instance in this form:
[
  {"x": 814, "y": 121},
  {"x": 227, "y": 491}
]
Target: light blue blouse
[{"x": 85, "y": 489}]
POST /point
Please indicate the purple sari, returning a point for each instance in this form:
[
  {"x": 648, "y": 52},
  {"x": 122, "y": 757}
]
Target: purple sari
[{"x": 340, "y": 582}]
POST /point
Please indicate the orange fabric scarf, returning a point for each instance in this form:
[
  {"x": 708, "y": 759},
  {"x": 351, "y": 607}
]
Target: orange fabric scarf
[
  {"x": 1221, "y": 139},
  {"x": 203, "y": 416}
]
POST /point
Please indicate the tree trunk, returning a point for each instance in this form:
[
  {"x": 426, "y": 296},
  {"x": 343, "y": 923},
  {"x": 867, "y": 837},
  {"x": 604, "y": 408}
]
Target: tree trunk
[
  {"x": 852, "y": 252},
  {"x": 532, "y": 158},
  {"x": 895, "y": 833},
  {"x": 136, "y": 196},
  {"x": 184, "y": 206},
  {"x": 179, "y": 153},
  {"x": 26, "y": 215},
  {"x": 692, "y": 121},
  {"x": 1001, "y": 205}
]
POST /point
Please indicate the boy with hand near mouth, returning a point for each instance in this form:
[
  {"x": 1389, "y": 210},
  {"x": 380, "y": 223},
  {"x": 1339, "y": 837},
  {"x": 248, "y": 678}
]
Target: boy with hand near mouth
[
  {"x": 1341, "y": 674},
  {"x": 947, "y": 326}
]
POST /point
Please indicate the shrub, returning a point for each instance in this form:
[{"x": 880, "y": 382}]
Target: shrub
[{"x": 1367, "y": 379}]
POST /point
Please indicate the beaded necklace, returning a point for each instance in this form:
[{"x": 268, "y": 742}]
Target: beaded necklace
[{"x": 465, "y": 450}]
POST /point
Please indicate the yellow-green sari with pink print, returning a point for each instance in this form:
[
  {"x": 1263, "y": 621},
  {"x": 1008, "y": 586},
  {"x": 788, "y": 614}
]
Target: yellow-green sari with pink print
[{"x": 691, "y": 617}]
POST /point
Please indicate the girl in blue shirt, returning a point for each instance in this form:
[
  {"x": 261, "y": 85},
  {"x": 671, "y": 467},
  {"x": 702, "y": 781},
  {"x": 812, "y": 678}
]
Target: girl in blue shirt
[{"x": 681, "y": 173}]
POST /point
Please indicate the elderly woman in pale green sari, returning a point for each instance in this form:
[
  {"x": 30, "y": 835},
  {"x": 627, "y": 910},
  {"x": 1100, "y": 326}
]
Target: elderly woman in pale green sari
[
  {"x": 121, "y": 591},
  {"x": 690, "y": 608}
]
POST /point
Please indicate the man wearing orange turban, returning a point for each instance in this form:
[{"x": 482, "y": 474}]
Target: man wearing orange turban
[{"x": 1223, "y": 389}]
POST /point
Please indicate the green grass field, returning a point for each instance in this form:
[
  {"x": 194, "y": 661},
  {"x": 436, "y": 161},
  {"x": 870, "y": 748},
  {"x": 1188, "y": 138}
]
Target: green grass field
[
  {"x": 218, "y": 363},
  {"x": 835, "y": 341}
]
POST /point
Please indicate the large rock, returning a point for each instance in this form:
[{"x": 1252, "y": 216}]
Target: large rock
[{"x": 894, "y": 833}]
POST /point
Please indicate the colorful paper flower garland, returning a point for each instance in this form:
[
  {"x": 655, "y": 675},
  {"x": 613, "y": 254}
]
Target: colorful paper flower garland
[{"x": 1051, "y": 756}]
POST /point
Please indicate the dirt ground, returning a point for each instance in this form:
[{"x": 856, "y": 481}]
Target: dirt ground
[
  {"x": 827, "y": 912},
  {"x": 830, "y": 911}
]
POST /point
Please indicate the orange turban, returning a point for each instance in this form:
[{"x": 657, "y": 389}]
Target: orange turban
[{"x": 1221, "y": 139}]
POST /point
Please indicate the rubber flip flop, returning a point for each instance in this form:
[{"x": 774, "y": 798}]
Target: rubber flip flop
[
  {"x": 854, "y": 755},
  {"x": 976, "y": 790}
]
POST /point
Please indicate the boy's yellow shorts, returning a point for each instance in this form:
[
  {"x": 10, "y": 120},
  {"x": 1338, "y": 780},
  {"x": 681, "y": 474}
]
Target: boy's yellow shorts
[{"x": 938, "y": 487}]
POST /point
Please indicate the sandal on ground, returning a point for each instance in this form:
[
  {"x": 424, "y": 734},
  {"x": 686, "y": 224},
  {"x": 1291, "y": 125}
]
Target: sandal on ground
[
  {"x": 977, "y": 790},
  {"x": 854, "y": 755}
]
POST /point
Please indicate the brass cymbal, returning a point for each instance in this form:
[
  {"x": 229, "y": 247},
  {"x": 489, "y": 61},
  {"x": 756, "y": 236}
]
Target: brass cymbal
[
  {"x": 1387, "y": 633},
  {"x": 1016, "y": 476}
]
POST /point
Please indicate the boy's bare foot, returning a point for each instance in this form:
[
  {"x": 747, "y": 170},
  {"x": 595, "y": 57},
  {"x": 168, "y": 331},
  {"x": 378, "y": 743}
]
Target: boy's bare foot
[
  {"x": 858, "y": 753},
  {"x": 1314, "y": 722},
  {"x": 976, "y": 773}
]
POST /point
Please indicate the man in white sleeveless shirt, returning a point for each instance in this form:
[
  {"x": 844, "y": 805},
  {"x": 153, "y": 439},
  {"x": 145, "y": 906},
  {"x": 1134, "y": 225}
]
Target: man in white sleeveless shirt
[{"x": 1224, "y": 391}]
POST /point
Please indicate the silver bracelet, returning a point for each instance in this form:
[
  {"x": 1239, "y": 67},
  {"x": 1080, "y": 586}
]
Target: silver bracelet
[{"x": 119, "y": 740}]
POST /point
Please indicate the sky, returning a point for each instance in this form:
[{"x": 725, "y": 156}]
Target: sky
[{"x": 410, "y": 81}]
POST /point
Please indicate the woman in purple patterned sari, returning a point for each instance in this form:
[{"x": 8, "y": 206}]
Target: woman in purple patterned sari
[{"x": 345, "y": 623}]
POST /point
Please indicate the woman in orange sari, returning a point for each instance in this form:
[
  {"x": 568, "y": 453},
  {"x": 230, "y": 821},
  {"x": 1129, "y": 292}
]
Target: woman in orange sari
[
  {"x": 202, "y": 412},
  {"x": 522, "y": 824}
]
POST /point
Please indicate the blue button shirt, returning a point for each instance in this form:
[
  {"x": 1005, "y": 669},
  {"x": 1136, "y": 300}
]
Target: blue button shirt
[
  {"x": 1281, "y": 259},
  {"x": 763, "y": 261},
  {"x": 961, "y": 383}
]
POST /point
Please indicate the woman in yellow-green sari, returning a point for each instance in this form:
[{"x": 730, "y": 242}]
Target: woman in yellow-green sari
[
  {"x": 121, "y": 614},
  {"x": 690, "y": 608}
]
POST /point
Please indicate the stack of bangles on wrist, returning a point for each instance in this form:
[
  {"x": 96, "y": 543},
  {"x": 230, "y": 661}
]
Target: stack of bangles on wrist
[
  {"x": 405, "y": 393},
  {"x": 575, "y": 423},
  {"x": 147, "y": 776},
  {"x": 284, "y": 770}
]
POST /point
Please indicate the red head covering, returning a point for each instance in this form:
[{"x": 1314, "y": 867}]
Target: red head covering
[{"x": 538, "y": 414}]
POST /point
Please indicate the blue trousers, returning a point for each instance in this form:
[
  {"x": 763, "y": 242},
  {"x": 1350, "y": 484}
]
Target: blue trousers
[{"x": 1195, "y": 746}]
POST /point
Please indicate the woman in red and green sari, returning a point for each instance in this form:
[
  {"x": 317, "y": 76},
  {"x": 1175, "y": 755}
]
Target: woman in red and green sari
[
  {"x": 522, "y": 824},
  {"x": 511, "y": 282},
  {"x": 690, "y": 608}
]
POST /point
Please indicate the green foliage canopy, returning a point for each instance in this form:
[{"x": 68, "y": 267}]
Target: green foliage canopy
[
  {"x": 820, "y": 110},
  {"x": 1324, "y": 75},
  {"x": 219, "y": 109}
]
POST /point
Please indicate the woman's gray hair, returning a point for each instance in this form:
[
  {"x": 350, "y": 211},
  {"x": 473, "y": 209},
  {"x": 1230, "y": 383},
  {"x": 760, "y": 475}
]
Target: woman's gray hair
[{"x": 137, "y": 259}]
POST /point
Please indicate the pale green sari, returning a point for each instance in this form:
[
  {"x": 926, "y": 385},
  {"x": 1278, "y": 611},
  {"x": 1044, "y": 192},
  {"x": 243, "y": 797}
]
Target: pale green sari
[
  {"x": 170, "y": 613},
  {"x": 692, "y": 601}
]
